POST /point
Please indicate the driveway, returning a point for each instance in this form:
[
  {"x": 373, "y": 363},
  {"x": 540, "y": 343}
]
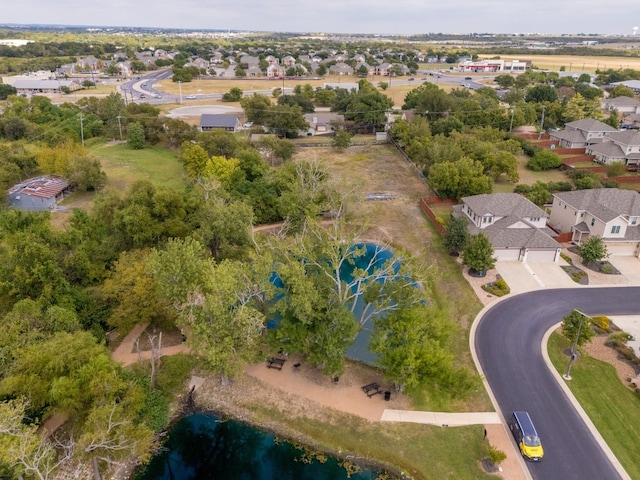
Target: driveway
[
  {"x": 627, "y": 266},
  {"x": 197, "y": 110},
  {"x": 525, "y": 277}
]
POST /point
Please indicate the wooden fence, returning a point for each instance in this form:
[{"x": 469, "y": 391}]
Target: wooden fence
[{"x": 432, "y": 216}]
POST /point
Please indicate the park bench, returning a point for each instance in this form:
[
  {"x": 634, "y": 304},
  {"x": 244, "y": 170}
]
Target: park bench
[
  {"x": 276, "y": 363},
  {"x": 372, "y": 389}
]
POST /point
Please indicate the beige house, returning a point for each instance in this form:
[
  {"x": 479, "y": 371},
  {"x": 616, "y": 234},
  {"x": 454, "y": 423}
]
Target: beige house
[
  {"x": 610, "y": 213},
  {"x": 581, "y": 133},
  {"x": 515, "y": 226}
]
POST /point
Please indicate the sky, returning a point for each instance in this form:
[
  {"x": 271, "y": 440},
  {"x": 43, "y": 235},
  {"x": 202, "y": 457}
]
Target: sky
[{"x": 401, "y": 17}]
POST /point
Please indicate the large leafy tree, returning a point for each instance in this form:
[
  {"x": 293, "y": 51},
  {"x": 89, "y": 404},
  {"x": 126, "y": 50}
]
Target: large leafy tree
[
  {"x": 366, "y": 107},
  {"x": 220, "y": 303},
  {"x": 478, "y": 254},
  {"x": 256, "y": 108},
  {"x": 457, "y": 234},
  {"x": 459, "y": 179},
  {"x": 412, "y": 347},
  {"x": 286, "y": 120}
]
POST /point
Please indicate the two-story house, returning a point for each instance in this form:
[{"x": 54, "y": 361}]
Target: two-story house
[
  {"x": 620, "y": 147},
  {"x": 581, "y": 133},
  {"x": 515, "y": 226},
  {"x": 610, "y": 213}
]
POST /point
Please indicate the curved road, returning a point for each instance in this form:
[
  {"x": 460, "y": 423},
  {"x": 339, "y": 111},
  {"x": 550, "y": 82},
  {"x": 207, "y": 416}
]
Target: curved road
[{"x": 508, "y": 346}]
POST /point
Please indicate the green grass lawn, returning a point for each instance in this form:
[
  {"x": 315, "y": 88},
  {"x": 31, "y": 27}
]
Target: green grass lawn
[
  {"x": 124, "y": 166},
  {"x": 612, "y": 407}
]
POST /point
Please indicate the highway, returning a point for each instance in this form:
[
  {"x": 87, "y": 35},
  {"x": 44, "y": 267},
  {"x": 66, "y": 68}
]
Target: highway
[{"x": 508, "y": 347}]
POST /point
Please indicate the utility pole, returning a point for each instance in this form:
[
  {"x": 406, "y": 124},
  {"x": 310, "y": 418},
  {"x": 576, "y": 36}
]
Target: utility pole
[
  {"x": 180, "y": 89},
  {"x": 81, "y": 130},
  {"x": 511, "y": 122},
  {"x": 119, "y": 127},
  {"x": 541, "y": 122}
]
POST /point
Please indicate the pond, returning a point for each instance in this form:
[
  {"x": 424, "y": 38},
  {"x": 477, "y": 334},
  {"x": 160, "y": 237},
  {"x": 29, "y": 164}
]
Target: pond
[{"x": 202, "y": 446}]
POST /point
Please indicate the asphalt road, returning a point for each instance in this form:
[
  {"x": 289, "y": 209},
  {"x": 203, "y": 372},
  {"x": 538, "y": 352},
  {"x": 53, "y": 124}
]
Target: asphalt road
[{"x": 508, "y": 346}]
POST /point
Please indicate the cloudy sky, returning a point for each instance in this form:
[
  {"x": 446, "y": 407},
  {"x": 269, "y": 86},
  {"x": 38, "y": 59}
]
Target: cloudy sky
[{"x": 339, "y": 16}]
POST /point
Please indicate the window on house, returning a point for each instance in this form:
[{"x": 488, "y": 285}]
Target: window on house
[
  {"x": 615, "y": 229},
  {"x": 593, "y": 222},
  {"x": 582, "y": 215},
  {"x": 634, "y": 220}
]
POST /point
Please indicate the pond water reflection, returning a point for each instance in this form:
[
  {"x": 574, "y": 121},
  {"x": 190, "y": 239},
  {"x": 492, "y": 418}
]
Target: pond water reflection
[{"x": 201, "y": 446}]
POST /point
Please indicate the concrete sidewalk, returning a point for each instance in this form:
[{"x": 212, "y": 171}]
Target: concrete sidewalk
[{"x": 442, "y": 419}]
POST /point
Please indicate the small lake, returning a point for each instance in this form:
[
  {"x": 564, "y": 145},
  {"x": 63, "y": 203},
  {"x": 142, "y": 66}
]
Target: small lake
[{"x": 201, "y": 446}]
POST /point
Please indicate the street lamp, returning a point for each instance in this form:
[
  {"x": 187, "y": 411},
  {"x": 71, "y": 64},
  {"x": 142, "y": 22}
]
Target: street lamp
[{"x": 567, "y": 376}]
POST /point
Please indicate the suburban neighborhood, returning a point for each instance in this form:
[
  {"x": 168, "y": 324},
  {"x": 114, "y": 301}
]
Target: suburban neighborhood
[{"x": 381, "y": 237}]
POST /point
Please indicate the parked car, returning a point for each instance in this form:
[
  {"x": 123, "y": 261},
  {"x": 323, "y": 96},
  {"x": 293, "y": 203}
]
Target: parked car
[
  {"x": 247, "y": 125},
  {"x": 411, "y": 79},
  {"x": 190, "y": 97},
  {"x": 468, "y": 78}
]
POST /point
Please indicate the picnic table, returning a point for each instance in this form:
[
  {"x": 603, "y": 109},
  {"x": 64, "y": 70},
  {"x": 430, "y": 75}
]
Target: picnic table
[
  {"x": 372, "y": 389},
  {"x": 276, "y": 363}
]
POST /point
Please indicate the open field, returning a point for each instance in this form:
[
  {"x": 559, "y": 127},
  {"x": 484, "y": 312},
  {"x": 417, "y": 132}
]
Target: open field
[
  {"x": 613, "y": 408},
  {"x": 574, "y": 63},
  {"x": 125, "y": 166}
]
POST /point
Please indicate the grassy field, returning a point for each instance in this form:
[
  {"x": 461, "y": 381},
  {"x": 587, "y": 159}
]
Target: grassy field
[
  {"x": 612, "y": 407},
  {"x": 124, "y": 166}
]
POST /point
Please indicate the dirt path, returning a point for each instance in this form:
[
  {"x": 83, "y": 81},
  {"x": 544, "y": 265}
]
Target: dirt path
[{"x": 126, "y": 355}]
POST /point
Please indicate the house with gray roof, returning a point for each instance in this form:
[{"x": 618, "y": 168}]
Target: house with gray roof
[
  {"x": 39, "y": 193},
  {"x": 610, "y": 213},
  {"x": 581, "y": 133},
  {"x": 621, "y": 105},
  {"x": 515, "y": 226},
  {"x": 223, "y": 121},
  {"x": 617, "y": 147},
  {"x": 35, "y": 87}
]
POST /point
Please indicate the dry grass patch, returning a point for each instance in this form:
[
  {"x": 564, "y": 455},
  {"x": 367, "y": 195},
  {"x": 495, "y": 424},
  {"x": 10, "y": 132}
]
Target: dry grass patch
[{"x": 574, "y": 62}]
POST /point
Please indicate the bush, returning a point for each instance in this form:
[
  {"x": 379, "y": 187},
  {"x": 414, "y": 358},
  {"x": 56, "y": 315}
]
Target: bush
[
  {"x": 499, "y": 288},
  {"x": 544, "y": 160},
  {"x": 496, "y": 455},
  {"x": 601, "y": 322},
  {"x": 521, "y": 188},
  {"x": 567, "y": 258}
]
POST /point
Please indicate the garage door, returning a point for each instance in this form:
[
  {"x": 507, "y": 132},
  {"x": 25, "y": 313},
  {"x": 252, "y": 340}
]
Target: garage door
[
  {"x": 621, "y": 249},
  {"x": 506, "y": 254},
  {"x": 541, "y": 256}
]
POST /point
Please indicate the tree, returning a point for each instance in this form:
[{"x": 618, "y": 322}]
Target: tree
[
  {"x": 541, "y": 93},
  {"x": 459, "y": 179},
  {"x": 6, "y": 90},
  {"x": 411, "y": 347},
  {"x": 276, "y": 150},
  {"x": 256, "y": 108},
  {"x": 457, "y": 234},
  {"x": 233, "y": 95},
  {"x": 131, "y": 289},
  {"x": 286, "y": 120},
  {"x": 504, "y": 81},
  {"x": 478, "y": 254},
  {"x": 195, "y": 159},
  {"x": 574, "y": 321},
  {"x": 593, "y": 249},
  {"x": 135, "y": 136},
  {"x": 221, "y": 303},
  {"x": 429, "y": 100},
  {"x": 341, "y": 140},
  {"x": 617, "y": 91}
]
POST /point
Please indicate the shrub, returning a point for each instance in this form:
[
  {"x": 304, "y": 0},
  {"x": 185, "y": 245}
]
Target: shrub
[
  {"x": 607, "y": 268},
  {"x": 499, "y": 288},
  {"x": 544, "y": 160},
  {"x": 601, "y": 322},
  {"x": 496, "y": 455},
  {"x": 567, "y": 258},
  {"x": 521, "y": 188}
]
